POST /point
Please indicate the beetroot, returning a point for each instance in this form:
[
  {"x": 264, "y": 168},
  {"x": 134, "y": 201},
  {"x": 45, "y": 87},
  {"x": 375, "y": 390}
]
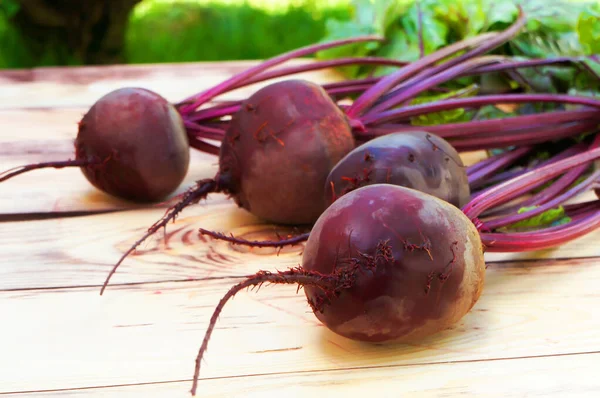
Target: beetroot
[
  {"x": 131, "y": 143},
  {"x": 275, "y": 156},
  {"x": 280, "y": 147},
  {"x": 418, "y": 160},
  {"x": 423, "y": 260},
  {"x": 383, "y": 263},
  {"x": 144, "y": 140}
]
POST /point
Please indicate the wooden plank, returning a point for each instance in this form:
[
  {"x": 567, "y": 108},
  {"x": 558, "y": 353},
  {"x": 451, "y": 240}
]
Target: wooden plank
[
  {"x": 75, "y": 338},
  {"x": 556, "y": 376},
  {"x": 80, "y": 250},
  {"x": 82, "y": 86}
]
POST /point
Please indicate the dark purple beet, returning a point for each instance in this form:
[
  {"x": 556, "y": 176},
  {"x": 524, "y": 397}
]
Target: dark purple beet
[
  {"x": 418, "y": 160},
  {"x": 131, "y": 144},
  {"x": 427, "y": 258},
  {"x": 279, "y": 149},
  {"x": 141, "y": 140}
]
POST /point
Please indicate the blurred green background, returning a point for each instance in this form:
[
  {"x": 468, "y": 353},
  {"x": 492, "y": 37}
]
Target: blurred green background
[
  {"x": 71, "y": 32},
  {"x": 188, "y": 30}
]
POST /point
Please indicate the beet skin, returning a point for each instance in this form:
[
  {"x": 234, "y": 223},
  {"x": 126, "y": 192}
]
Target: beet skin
[
  {"x": 426, "y": 258},
  {"x": 141, "y": 139},
  {"x": 418, "y": 160},
  {"x": 279, "y": 149}
]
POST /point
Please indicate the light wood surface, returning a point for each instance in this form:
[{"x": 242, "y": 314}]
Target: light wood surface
[{"x": 532, "y": 333}]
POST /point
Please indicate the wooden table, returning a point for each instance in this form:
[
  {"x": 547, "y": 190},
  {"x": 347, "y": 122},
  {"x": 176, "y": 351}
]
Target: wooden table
[{"x": 534, "y": 332}]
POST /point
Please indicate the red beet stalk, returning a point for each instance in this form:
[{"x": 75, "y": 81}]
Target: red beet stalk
[{"x": 191, "y": 103}]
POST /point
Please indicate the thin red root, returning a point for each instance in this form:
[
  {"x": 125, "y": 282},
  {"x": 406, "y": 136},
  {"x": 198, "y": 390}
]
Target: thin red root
[
  {"x": 194, "y": 195},
  {"x": 331, "y": 284},
  {"x": 256, "y": 243},
  {"x": 8, "y": 174}
]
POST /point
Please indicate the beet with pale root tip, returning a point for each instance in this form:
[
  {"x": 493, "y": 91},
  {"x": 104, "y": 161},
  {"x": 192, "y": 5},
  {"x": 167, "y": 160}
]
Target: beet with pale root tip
[{"x": 421, "y": 260}]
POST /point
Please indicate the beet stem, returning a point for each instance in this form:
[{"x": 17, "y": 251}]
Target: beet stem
[
  {"x": 390, "y": 81},
  {"x": 193, "y": 102},
  {"x": 561, "y": 184},
  {"x": 479, "y": 101},
  {"x": 232, "y": 107},
  {"x": 507, "y": 65},
  {"x": 256, "y": 243},
  {"x": 201, "y": 145},
  {"x": 577, "y": 209},
  {"x": 195, "y": 194},
  {"x": 504, "y": 191},
  {"x": 526, "y": 136},
  {"x": 554, "y": 189},
  {"x": 474, "y": 127},
  {"x": 579, "y": 188},
  {"x": 505, "y": 159},
  {"x": 208, "y": 132},
  {"x": 573, "y": 150},
  {"x": 8, "y": 174},
  {"x": 542, "y": 239},
  {"x": 322, "y": 65},
  {"x": 427, "y": 83},
  {"x": 213, "y": 113}
]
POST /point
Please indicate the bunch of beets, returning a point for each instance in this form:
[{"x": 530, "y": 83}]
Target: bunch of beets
[{"x": 399, "y": 225}]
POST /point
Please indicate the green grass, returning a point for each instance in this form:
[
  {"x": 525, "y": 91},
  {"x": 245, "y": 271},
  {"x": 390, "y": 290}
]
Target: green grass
[{"x": 172, "y": 31}]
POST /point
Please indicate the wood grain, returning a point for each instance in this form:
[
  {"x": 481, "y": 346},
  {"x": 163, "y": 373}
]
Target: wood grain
[
  {"x": 79, "y": 251},
  {"x": 554, "y": 376},
  {"x": 74, "y": 338}
]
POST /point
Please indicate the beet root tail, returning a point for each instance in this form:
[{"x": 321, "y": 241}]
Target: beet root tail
[
  {"x": 294, "y": 240},
  {"x": 331, "y": 285},
  {"x": 8, "y": 174},
  {"x": 194, "y": 195}
]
